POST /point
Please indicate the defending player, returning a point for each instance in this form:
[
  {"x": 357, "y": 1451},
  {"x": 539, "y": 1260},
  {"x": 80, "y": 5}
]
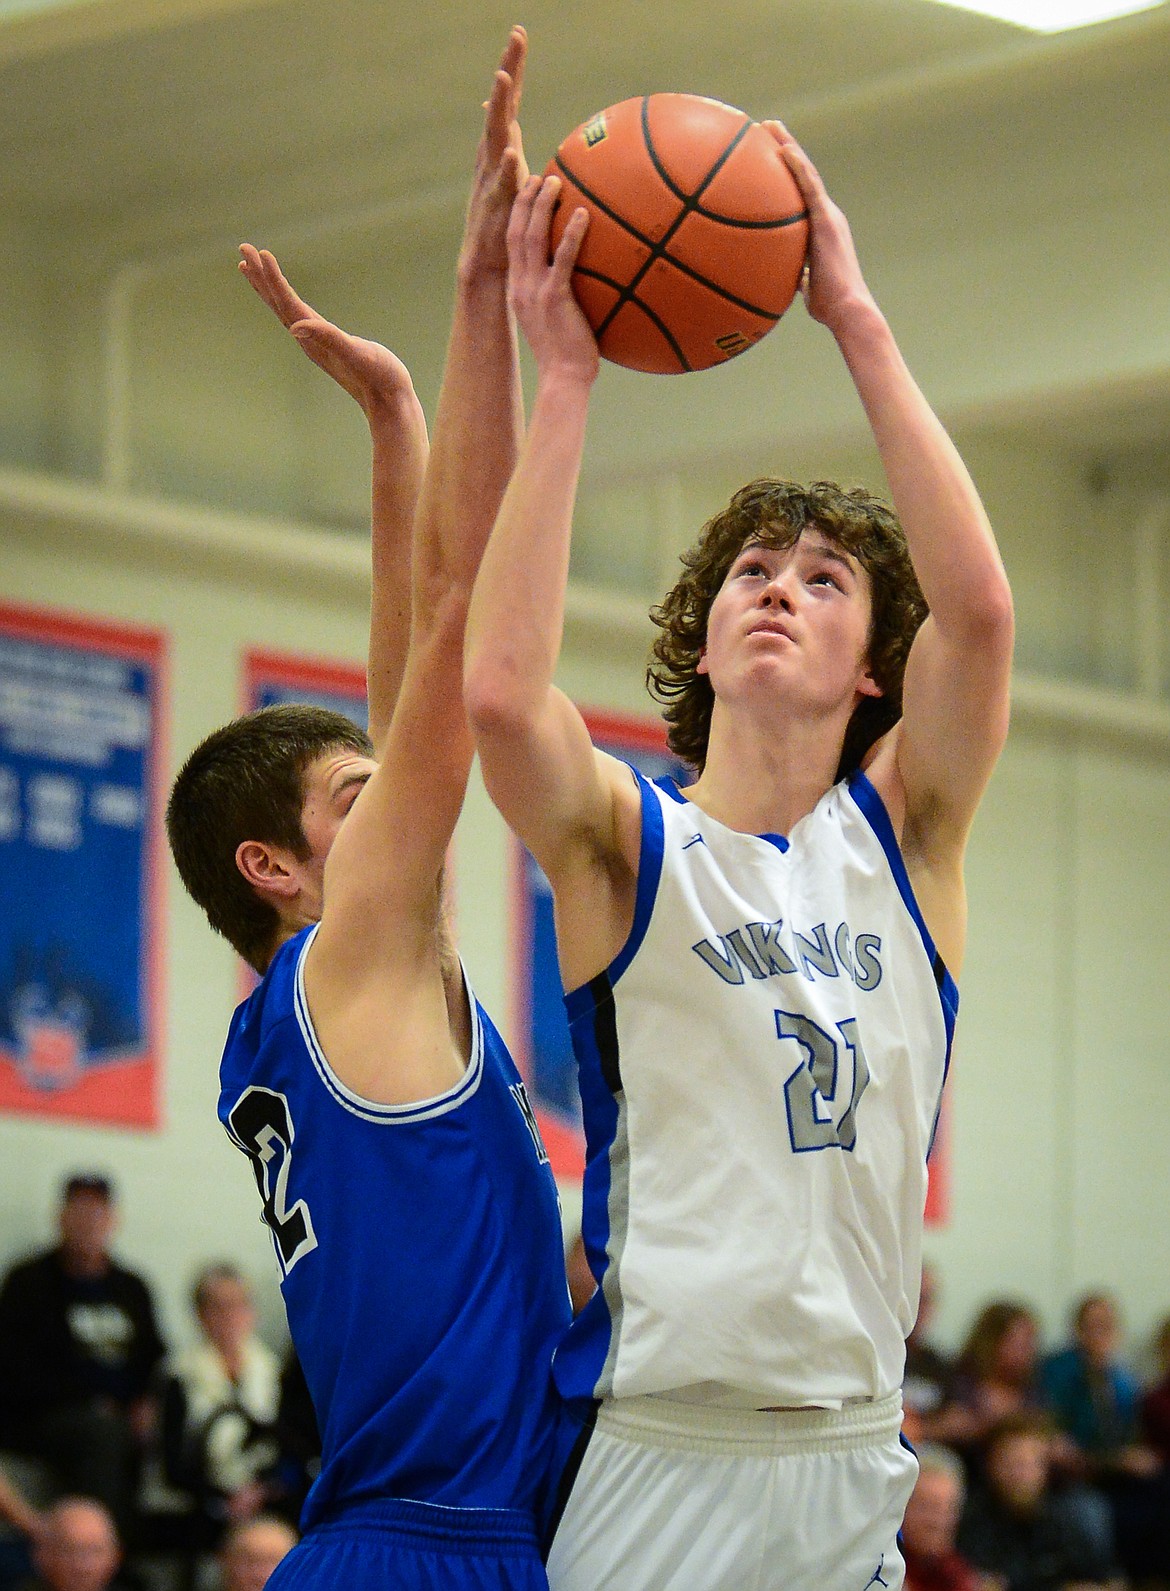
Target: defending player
[
  {"x": 411, "y": 1206},
  {"x": 757, "y": 965}
]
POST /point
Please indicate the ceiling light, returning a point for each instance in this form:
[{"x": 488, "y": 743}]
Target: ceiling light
[{"x": 1054, "y": 16}]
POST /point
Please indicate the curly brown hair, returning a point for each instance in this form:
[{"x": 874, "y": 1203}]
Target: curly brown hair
[{"x": 774, "y": 513}]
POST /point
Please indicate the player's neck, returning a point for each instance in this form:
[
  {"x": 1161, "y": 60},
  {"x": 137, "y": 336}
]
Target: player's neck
[{"x": 765, "y": 783}]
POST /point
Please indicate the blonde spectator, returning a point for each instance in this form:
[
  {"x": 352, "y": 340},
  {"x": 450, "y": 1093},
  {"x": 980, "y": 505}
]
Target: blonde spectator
[{"x": 252, "y": 1549}]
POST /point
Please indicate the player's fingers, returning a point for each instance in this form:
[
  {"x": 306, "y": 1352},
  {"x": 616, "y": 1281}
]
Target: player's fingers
[
  {"x": 496, "y": 116},
  {"x": 512, "y": 62},
  {"x": 287, "y": 303},
  {"x": 808, "y": 178},
  {"x": 569, "y": 247},
  {"x": 540, "y": 219},
  {"x": 518, "y": 222}
]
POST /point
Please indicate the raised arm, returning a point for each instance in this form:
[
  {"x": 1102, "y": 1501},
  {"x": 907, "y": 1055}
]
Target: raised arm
[
  {"x": 380, "y": 934},
  {"x": 955, "y": 697},
  {"x": 575, "y": 808},
  {"x": 380, "y": 383}
]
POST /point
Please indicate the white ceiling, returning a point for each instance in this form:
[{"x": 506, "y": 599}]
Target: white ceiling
[
  {"x": 113, "y": 109},
  {"x": 130, "y": 124}
]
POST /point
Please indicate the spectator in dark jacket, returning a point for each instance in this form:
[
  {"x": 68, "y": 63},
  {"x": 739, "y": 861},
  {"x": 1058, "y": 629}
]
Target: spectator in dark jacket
[
  {"x": 1095, "y": 1401},
  {"x": 78, "y": 1350},
  {"x": 1016, "y": 1527}
]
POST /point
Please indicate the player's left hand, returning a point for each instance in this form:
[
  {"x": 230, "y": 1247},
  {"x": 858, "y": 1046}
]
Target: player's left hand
[
  {"x": 833, "y": 285},
  {"x": 373, "y": 376},
  {"x": 500, "y": 167}
]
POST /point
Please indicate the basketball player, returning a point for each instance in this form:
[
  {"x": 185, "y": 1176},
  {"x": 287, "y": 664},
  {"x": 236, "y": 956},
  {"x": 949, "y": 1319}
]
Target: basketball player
[
  {"x": 758, "y": 966},
  {"x": 412, "y": 1208}
]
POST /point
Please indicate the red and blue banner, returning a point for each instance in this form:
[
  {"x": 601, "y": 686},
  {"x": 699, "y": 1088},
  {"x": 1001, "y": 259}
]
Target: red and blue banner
[
  {"x": 81, "y": 757},
  {"x": 272, "y": 678}
]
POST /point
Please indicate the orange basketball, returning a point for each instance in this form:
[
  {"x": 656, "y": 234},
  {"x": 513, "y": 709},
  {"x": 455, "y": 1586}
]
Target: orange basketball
[{"x": 697, "y": 230}]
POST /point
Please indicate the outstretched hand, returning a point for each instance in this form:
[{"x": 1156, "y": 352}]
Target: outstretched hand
[
  {"x": 500, "y": 167},
  {"x": 371, "y": 374},
  {"x": 542, "y": 291},
  {"x": 833, "y": 283}
]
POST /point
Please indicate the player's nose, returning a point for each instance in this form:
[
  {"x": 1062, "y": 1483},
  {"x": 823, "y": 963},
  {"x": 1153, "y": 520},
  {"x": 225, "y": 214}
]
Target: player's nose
[{"x": 777, "y": 592}]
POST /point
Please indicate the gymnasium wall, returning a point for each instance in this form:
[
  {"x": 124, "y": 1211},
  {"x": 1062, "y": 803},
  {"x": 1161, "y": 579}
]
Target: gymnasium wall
[{"x": 167, "y": 457}]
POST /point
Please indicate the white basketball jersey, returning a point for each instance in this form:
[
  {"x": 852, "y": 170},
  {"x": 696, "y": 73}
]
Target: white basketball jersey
[{"x": 761, "y": 1069}]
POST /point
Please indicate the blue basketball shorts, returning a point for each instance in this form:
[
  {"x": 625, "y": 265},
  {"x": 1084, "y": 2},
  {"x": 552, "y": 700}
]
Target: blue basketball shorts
[{"x": 414, "y": 1546}]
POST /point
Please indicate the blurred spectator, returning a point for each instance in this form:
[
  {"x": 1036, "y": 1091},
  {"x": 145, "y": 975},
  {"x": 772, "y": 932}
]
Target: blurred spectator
[
  {"x": 928, "y": 1531},
  {"x": 1093, "y": 1398},
  {"x": 1156, "y": 1402},
  {"x": 1014, "y": 1526},
  {"x": 76, "y": 1548},
  {"x": 299, "y": 1463},
  {"x": 995, "y": 1376},
  {"x": 1096, "y": 1403},
  {"x": 22, "y": 1522},
  {"x": 929, "y": 1376},
  {"x": 15, "y": 1511},
  {"x": 251, "y": 1551},
  {"x": 220, "y": 1405},
  {"x": 78, "y": 1348}
]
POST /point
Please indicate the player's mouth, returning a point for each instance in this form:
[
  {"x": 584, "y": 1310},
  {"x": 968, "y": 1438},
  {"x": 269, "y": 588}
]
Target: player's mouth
[{"x": 771, "y": 627}]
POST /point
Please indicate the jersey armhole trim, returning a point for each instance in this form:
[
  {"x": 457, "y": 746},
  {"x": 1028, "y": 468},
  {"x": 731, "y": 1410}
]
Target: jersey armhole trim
[
  {"x": 871, "y": 806},
  {"x": 650, "y": 850},
  {"x": 368, "y": 1109}
]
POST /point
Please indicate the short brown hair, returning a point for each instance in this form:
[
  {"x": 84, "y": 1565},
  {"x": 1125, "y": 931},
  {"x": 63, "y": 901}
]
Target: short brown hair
[
  {"x": 773, "y": 513},
  {"x": 247, "y": 782}
]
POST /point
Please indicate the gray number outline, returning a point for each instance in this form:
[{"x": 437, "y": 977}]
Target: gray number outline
[{"x": 810, "y": 1091}]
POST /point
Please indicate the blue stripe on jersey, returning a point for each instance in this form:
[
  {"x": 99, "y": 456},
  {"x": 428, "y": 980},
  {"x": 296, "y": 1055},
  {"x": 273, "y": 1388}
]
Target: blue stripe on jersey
[
  {"x": 649, "y": 872},
  {"x": 581, "y": 1358},
  {"x": 873, "y": 809}
]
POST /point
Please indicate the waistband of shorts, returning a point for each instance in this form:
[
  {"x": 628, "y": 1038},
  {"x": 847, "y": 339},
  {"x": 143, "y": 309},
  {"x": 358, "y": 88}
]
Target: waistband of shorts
[
  {"x": 698, "y": 1428},
  {"x": 483, "y": 1531}
]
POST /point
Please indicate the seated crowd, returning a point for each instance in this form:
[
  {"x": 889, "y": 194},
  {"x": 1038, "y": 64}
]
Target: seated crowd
[
  {"x": 1038, "y": 1473},
  {"x": 134, "y": 1458}
]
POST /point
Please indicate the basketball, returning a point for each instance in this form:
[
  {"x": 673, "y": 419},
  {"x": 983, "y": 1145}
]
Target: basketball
[{"x": 697, "y": 230}]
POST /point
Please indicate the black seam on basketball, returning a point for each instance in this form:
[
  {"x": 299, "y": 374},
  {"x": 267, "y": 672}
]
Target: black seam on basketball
[
  {"x": 687, "y": 206},
  {"x": 662, "y": 327},
  {"x": 607, "y": 281},
  {"x": 705, "y": 281},
  {"x": 601, "y": 204},
  {"x": 752, "y": 226},
  {"x": 695, "y": 276}
]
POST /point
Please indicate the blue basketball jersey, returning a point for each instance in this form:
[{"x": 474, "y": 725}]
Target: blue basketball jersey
[{"x": 420, "y": 1255}]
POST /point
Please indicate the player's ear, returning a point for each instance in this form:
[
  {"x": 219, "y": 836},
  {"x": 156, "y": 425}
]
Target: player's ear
[
  {"x": 263, "y": 867},
  {"x": 701, "y": 666},
  {"x": 867, "y": 685}
]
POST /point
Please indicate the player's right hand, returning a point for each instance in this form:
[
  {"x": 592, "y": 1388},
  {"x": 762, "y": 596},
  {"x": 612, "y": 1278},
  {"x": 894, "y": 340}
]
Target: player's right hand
[{"x": 550, "y": 317}]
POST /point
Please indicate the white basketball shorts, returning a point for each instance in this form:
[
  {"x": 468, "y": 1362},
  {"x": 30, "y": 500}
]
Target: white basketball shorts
[{"x": 674, "y": 1497}]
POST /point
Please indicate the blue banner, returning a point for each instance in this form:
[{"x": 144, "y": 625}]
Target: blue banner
[{"x": 79, "y": 932}]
